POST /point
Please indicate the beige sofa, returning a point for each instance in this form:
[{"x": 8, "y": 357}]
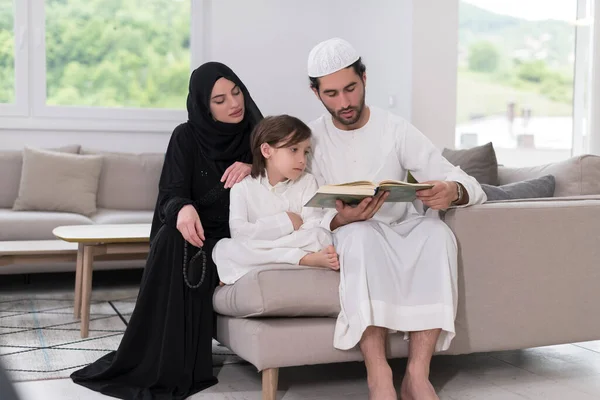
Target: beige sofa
[
  {"x": 528, "y": 276},
  {"x": 528, "y": 269},
  {"x": 126, "y": 193}
]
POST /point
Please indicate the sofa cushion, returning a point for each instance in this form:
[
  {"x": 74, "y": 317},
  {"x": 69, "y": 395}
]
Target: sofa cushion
[
  {"x": 35, "y": 225},
  {"x": 11, "y": 163},
  {"x": 128, "y": 181},
  {"x": 480, "y": 162},
  {"x": 53, "y": 181},
  {"x": 106, "y": 216},
  {"x": 531, "y": 188},
  {"x": 578, "y": 175},
  {"x": 287, "y": 342},
  {"x": 281, "y": 291}
]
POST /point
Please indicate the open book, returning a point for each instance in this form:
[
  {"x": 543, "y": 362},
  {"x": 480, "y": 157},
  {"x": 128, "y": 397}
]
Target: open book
[{"x": 353, "y": 193}]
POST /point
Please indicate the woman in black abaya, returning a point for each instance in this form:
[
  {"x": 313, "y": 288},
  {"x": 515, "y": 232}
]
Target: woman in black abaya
[{"x": 166, "y": 352}]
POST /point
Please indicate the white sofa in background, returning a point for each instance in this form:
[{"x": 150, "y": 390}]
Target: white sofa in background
[{"x": 126, "y": 193}]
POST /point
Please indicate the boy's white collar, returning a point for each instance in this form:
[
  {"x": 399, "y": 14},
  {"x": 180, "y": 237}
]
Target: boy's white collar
[{"x": 264, "y": 179}]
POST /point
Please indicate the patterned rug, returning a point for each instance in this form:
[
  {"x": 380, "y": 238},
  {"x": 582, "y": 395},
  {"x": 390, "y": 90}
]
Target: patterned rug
[{"x": 40, "y": 339}]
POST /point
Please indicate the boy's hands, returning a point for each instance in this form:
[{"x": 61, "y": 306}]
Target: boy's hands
[{"x": 296, "y": 220}]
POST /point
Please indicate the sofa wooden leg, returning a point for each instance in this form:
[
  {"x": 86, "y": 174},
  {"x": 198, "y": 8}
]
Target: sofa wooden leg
[{"x": 270, "y": 377}]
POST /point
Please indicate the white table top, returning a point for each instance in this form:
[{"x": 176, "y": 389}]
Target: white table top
[
  {"x": 28, "y": 247},
  {"x": 104, "y": 233}
]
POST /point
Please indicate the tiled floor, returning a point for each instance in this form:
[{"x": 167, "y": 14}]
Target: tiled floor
[{"x": 565, "y": 372}]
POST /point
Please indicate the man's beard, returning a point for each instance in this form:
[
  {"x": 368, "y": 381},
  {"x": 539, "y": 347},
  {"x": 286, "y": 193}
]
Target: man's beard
[{"x": 357, "y": 112}]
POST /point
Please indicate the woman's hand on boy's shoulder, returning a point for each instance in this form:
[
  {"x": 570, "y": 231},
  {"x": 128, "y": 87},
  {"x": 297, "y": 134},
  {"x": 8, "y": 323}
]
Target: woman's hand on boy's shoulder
[{"x": 235, "y": 173}]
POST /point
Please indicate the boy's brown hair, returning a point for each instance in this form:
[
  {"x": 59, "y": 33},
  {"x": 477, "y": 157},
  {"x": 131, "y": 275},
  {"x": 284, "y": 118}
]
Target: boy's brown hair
[{"x": 275, "y": 131}]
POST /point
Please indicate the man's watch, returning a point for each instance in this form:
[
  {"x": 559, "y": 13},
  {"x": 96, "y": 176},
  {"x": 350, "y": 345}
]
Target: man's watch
[{"x": 460, "y": 194}]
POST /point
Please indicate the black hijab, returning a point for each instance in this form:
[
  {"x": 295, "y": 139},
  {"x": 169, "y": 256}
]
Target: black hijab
[{"x": 221, "y": 143}]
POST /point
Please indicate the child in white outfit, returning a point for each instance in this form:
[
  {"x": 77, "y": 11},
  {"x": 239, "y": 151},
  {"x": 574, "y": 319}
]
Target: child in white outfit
[{"x": 267, "y": 220}]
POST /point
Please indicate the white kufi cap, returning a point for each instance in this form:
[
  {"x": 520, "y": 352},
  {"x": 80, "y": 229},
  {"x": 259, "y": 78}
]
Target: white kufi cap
[{"x": 330, "y": 56}]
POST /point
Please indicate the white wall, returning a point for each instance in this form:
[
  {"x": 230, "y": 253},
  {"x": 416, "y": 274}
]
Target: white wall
[
  {"x": 434, "y": 69},
  {"x": 267, "y": 43},
  {"x": 271, "y": 51}
]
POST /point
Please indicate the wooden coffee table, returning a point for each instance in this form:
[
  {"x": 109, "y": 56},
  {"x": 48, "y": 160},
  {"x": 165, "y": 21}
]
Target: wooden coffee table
[{"x": 105, "y": 242}]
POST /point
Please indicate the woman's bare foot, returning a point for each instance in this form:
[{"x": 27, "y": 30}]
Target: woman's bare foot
[{"x": 326, "y": 258}]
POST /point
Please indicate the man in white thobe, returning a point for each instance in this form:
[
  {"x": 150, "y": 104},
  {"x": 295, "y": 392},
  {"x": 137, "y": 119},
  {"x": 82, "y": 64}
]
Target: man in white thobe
[{"x": 398, "y": 267}]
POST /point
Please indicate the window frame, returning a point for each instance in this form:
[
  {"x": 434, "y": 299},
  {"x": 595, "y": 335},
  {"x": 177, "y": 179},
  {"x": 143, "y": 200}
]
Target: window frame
[
  {"x": 593, "y": 141},
  {"x": 20, "y": 107},
  {"x": 581, "y": 113},
  {"x": 31, "y": 94},
  {"x": 582, "y": 78}
]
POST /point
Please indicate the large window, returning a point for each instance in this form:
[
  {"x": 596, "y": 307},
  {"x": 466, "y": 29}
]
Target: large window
[
  {"x": 7, "y": 52},
  {"x": 522, "y": 68},
  {"x": 126, "y": 61},
  {"x": 117, "y": 53}
]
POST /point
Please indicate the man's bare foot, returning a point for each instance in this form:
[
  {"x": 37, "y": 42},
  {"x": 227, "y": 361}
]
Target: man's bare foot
[
  {"x": 417, "y": 387},
  {"x": 326, "y": 258},
  {"x": 381, "y": 384}
]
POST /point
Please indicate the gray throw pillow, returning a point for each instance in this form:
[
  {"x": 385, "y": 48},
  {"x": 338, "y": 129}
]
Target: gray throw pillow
[
  {"x": 529, "y": 189},
  {"x": 479, "y": 162}
]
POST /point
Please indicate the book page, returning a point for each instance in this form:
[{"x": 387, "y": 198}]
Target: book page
[
  {"x": 356, "y": 190},
  {"x": 357, "y": 183},
  {"x": 393, "y": 182},
  {"x": 389, "y": 183}
]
